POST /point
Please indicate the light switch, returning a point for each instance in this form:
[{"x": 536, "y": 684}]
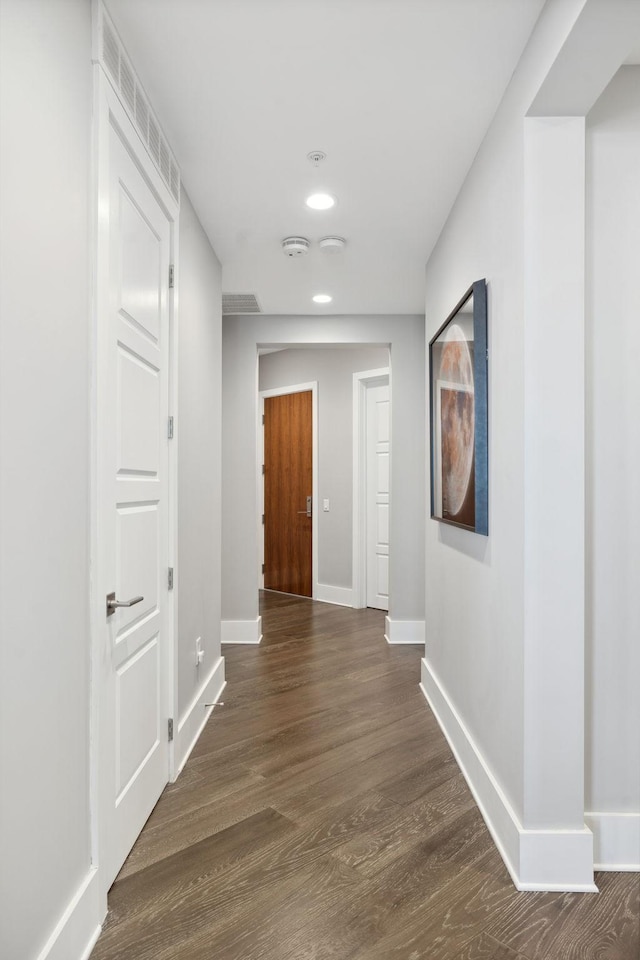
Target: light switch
[{"x": 325, "y": 506}]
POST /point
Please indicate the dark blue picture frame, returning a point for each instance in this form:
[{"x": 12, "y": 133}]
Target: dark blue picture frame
[{"x": 473, "y": 510}]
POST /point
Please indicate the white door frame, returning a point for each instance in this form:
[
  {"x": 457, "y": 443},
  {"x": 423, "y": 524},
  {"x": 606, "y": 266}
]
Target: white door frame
[
  {"x": 281, "y": 392},
  {"x": 361, "y": 382},
  {"x": 108, "y": 112}
]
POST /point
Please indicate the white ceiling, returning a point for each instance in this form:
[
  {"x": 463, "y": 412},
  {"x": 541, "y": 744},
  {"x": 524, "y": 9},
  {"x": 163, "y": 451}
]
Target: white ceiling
[{"x": 398, "y": 93}]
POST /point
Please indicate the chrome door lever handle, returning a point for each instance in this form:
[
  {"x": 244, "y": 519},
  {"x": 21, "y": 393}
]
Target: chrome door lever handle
[{"x": 112, "y": 603}]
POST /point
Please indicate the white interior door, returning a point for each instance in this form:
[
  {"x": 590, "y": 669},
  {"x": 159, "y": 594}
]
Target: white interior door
[
  {"x": 377, "y": 495},
  {"x": 133, "y": 506}
]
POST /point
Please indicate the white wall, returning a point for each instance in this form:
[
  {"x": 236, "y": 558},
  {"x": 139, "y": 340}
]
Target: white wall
[
  {"x": 240, "y": 336},
  {"x": 333, "y": 370},
  {"x": 45, "y": 88},
  {"x": 198, "y": 433},
  {"x": 613, "y": 450},
  {"x": 505, "y": 615}
]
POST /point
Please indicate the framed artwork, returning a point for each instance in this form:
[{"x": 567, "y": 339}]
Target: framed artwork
[{"x": 459, "y": 415}]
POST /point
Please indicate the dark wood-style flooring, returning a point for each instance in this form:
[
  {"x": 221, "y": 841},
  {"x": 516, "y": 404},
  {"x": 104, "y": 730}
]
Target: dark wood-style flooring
[{"x": 322, "y": 817}]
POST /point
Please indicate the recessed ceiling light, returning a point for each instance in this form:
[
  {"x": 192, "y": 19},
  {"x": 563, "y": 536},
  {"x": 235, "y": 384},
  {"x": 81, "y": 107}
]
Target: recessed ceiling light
[
  {"x": 320, "y": 201},
  {"x": 322, "y": 298}
]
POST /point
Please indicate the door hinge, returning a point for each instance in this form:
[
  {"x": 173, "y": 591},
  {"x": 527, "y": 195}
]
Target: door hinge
[
  {"x": 170, "y": 428},
  {"x": 171, "y": 276},
  {"x": 263, "y": 517},
  {"x": 263, "y": 567},
  {"x": 170, "y": 578},
  {"x": 170, "y": 730},
  {"x": 263, "y": 418},
  {"x": 263, "y": 469}
]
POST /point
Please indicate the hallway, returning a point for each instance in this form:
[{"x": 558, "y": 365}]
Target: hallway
[{"x": 322, "y": 815}]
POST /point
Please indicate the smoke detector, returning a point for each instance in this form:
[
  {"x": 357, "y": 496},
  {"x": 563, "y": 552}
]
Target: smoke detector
[
  {"x": 332, "y": 244},
  {"x": 295, "y": 246},
  {"x": 316, "y": 157}
]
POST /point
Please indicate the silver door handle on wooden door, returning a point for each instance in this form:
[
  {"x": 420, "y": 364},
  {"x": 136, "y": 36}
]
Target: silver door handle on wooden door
[
  {"x": 112, "y": 603},
  {"x": 308, "y": 510}
]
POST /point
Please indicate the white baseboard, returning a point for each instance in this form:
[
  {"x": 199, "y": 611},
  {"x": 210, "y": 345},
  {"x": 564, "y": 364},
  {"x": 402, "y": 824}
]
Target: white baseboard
[
  {"x": 404, "y": 631},
  {"x": 616, "y": 840},
  {"x": 242, "y": 631},
  {"x": 191, "y": 725},
  {"x": 326, "y": 593},
  {"x": 78, "y": 929},
  {"x": 560, "y": 860}
]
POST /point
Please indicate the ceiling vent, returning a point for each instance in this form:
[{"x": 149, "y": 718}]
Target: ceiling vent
[
  {"x": 295, "y": 246},
  {"x": 123, "y": 77},
  {"x": 239, "y": 303}
]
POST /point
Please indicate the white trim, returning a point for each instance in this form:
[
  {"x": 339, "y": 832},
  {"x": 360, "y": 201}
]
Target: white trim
[
  {"x": 241, "y": 631},
  {"x": 173, "y": 597},
  {"x": 616, "y": 840},
  {"x": 327, "y": 593},
  {"x": 78, "y": 929},
  {"x": 559, "y": 860},
  {"x": 282, "y": 392},
  {"x": 361, "y": 381},
  {"x": 191, "y": 725},
  {"x": 94, "y": 620},
  {"x": 404, "y": 631}
]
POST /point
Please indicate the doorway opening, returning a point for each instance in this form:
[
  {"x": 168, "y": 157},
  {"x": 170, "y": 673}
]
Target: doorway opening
[
  {"x": 337, "y": 525},
  {"x": 371, "y": 488}
]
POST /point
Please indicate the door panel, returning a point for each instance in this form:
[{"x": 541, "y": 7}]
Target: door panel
[
  {"x": 138, "y": 426},
  {"x": 141, "y": 254},
  {"x": 382, "y": 582},
  {"x": 137, "y": 687},
  {"x": 378, "y": 459},
  {"x": 133, "y": 399},
  {"x": 288, "y": 481}
]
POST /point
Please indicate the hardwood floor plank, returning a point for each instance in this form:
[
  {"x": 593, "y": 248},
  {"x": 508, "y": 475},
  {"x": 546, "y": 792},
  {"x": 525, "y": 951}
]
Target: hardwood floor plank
[
  {"x": 176, "y": 891},
  {"x": 236, "y": 723},
  {"x": 381, "y": 918},
  {"x": 485, "y": 947},
  {"x": 532, "y": 924},
  {"x": 374, "y": 851},
  {"x": 302, "y": 803},
  {"x": 338, "y": 930},
  {"x": 455, "y": 913},
  {"x": 428, "y": 861},
  {"x": 298, "y": 745},
  {"x": 199, "y": 787},
  {"x": 168, "y": 838},
  {"x": 605, "y": 926},
  {"x": 437, "y": 767},
  {"x": 450, "y": 798},
  {"x": 268, "y": 928}
]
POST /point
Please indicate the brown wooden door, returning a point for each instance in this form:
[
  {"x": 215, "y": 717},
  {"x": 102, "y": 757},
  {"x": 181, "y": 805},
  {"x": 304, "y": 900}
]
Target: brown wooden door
[{"x": 288, "y": 475}]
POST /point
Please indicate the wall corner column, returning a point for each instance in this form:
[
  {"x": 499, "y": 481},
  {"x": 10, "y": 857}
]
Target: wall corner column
[{"x": 554, "y": 519}]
